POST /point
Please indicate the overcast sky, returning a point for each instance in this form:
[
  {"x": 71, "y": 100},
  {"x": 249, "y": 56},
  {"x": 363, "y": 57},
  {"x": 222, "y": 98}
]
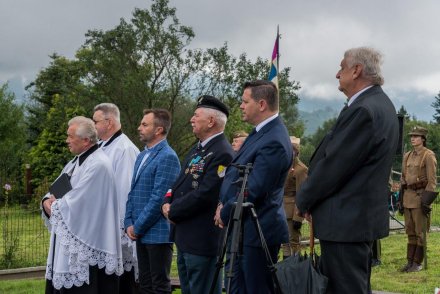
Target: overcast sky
[{"x": 315, "y": 35}]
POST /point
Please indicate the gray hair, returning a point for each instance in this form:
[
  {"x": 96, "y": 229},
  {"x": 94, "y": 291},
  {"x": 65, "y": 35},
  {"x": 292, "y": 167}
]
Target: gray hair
[
  {"x": 370, "y": 59},
  {"x": 86, "y": 128},
  {"x": 220, "y": 117},
  {"x": 109, "y": 109}
]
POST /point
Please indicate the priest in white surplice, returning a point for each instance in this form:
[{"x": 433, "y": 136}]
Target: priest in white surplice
[
  {"x": 123, "y": 153},
  {"x": 85, "y": 251}
]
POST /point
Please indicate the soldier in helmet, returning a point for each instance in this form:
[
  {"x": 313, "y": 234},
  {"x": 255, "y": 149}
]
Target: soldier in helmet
[
  {"x": 238, "y": 139},
  {"x": 418, "y": 184},
  {"x": 296, "y": 176}
]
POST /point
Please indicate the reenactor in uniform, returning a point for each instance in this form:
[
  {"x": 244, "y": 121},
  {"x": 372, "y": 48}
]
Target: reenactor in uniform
[
  {"x": 238, "y": 139},
  {"x": 418, "y": 185},
  {"x": 296, "y": 176}
]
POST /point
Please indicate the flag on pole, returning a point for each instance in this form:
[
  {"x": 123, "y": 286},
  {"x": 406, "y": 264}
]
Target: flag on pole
[{"x": 273, "y": 74}]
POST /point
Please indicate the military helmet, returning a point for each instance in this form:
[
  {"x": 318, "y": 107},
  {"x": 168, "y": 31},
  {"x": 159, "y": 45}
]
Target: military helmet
[
  {"x": 418, "y": 131},
  {"x": 240, "y": 134}
]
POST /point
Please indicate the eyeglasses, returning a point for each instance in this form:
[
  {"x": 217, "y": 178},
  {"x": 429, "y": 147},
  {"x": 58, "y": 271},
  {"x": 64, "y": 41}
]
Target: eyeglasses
[{"x": 97, "y": 121}]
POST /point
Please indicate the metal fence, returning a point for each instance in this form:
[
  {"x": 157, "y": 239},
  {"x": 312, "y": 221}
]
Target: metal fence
[{"x": 24, "y": 238}]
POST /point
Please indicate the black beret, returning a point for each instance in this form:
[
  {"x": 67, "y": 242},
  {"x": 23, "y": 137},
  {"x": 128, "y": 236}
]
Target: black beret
[{"x": 207, "y": 101}]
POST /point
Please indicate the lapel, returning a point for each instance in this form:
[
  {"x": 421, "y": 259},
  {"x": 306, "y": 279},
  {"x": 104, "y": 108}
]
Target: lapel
[
  {"x": 344, "y": 112},
  {"x": 255, "y": 137},
  {"x": 150, "y": 158}
]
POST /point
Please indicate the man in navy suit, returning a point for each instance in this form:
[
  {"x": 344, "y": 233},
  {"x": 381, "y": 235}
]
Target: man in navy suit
[
  {"x": 155, "y": 170},
  {"x": 269, "y": 150},
  {"x": 195, "y": 195},
  {"x": 346, "y": 191}
]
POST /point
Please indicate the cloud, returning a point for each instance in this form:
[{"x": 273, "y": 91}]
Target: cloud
[{"x": 315, "y": 35}]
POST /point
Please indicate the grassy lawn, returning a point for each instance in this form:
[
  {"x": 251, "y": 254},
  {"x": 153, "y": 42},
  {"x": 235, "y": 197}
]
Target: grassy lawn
[{"x": 385, "y": 277}]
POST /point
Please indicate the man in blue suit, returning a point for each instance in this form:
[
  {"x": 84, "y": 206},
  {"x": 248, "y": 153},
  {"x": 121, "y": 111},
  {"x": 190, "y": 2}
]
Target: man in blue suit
[
  {"x": 269, "y": 150},
  {"x": 155, "y": 170}
]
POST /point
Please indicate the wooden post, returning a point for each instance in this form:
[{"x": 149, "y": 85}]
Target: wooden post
[{"x": 28, "y": 180}]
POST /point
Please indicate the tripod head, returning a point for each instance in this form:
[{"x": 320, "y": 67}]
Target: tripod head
[{"x": 242, "y": 170}]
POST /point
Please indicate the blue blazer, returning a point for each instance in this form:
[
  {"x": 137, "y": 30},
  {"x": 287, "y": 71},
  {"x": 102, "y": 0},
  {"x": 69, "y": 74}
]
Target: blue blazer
[
  {"x": 148, "y": 188},
  {"x": 271, "y": 154}
]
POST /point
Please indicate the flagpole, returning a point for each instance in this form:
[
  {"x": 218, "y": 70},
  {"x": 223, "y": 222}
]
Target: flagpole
[{"x": 278, "y": 52}]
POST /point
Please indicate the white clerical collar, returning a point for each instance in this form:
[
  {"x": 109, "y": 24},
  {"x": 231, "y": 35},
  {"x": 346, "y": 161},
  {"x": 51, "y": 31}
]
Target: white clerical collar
[
  {"x": 266, "y": 121},
  {"x": 209, "y": 139},
  {"x": 357, "y": 95}
]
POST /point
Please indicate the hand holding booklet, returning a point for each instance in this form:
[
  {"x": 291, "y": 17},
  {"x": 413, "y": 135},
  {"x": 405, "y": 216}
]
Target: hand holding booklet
[{"x": 61, "y": 186}]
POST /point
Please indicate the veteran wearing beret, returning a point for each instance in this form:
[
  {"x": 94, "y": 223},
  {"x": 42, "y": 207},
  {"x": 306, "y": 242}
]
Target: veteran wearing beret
[
  {"x": 419, "y": 181},
  {"x": 192, "y": 202}
]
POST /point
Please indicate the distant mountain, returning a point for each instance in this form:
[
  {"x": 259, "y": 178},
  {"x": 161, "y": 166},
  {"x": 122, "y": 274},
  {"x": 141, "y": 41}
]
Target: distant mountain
[{"x": 314, "y": 119}]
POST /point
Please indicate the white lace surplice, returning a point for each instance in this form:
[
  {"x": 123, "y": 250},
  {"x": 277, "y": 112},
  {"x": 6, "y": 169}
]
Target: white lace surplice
[
  {"x": 123, "y": 153},
  {"x": 86, "y": 224}
]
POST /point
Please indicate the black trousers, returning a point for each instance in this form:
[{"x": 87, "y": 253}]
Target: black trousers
[
  {"x": 347, "y": 266},
  {"x": 154, "y": 262},
  {"x": 100, "y": 283},
  {"x": 127, "y": 283}
]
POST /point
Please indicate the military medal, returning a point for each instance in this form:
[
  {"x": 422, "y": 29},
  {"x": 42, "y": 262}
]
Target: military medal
[{"x": 195, "y": 184}]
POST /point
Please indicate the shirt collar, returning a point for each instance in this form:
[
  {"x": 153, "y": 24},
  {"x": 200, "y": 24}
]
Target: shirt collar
[
  {"x": 209, "y": 139},
  {"x": 266, "y": 121},
  {"x": 355, "y": 96},
  {"x": 152, "y": 148}
]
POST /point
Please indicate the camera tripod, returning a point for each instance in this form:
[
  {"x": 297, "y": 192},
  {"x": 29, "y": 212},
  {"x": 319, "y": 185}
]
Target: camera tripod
[{"x": 234, "y": 233}]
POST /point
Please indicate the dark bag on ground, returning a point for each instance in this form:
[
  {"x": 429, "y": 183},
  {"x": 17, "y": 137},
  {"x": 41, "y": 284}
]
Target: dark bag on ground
[{"x": 300, "y": 274}]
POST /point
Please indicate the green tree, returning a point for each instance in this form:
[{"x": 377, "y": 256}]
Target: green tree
[
  {"x": 436, "y": 106},
  {"x": 50, "y": 153},
  {"x": 61, "y": 77},
  {"x": 145, "y": 63},
  {"x": 320, "y": 133},
  {"x": 402, "y": 111},
  {"x": 12, "y": 134}
]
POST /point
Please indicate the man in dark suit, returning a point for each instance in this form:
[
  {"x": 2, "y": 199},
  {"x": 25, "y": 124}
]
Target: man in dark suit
[
  {"x": 269, "y": 150},
  {"x": 194, "y": 197},
  {"x": 155, "y": 170},
  {"x": 346, "y": 191}
]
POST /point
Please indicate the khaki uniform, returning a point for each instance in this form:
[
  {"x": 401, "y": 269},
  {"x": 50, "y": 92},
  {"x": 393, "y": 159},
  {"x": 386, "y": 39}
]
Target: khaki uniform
[
  {"x": 296, "y": 176},
  {"x": 419, "y": 166},
  {"x": 418, "y": 174}
]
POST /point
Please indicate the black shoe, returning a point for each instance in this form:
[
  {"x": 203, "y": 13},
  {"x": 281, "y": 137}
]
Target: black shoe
[
  {"x": 415, "y": 268},
  {"x": 406, "y": 267},
  {"x": 375, "y": 262}
]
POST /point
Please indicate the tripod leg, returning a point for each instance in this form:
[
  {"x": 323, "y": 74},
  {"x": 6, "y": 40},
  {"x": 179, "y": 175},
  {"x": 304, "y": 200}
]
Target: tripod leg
[
  {"x": 232, "y": 234},
  {"x": 221, "y": 257},
  {"x": 270, "y": 264}
]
